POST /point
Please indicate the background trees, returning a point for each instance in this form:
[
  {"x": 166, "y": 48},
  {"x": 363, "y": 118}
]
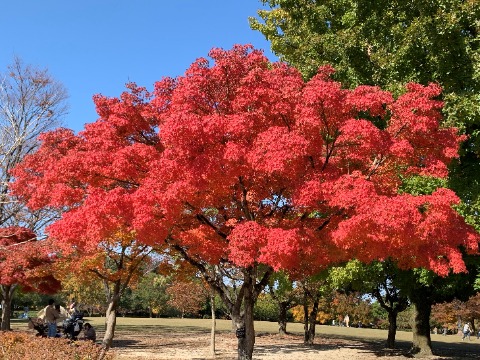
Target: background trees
[
  {"x": 31, "y": 102},
  {"x": 26, "y": 262}
]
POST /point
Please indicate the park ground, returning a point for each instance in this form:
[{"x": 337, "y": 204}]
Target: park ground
[{"x": 189, "y": 339}]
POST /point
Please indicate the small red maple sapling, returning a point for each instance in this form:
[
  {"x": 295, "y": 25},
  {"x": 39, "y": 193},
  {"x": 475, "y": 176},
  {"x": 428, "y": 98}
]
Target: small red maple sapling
[{"x": 243, "y": 167}]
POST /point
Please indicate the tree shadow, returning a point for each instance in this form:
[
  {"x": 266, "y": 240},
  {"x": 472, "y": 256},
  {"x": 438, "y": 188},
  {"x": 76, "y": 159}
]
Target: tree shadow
[{"x": 368, "y": 347}]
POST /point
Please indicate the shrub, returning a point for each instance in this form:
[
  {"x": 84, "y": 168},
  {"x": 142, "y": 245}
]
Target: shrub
[{"x": 21, "y": 345}]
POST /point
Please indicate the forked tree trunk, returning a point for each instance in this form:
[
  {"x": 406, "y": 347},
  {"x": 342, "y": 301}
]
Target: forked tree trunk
[
  {"x": 7, "y": 295},
  {"x": 422, "y": 343},
  {"x": 282, "y": 317},
  {"x": 214, "y": 325}
]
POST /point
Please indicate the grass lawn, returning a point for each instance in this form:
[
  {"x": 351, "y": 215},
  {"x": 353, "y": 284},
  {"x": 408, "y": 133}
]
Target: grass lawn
[
  {"x": 189, "y": 339},
  {"x": 163, "y": 325}
]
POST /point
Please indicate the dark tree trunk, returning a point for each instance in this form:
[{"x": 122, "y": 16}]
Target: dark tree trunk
[
  {"x": 243, "y": 322},
  {"x": 282, "y": 317},
  {"x": 312, "y": 320},
  {"x": 422, "y": 343},
  {"x": 7, "y": 295},
  {"x": 392, "y": 328}
]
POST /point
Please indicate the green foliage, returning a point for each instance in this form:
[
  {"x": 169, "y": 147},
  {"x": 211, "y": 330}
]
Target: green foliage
[
  {"x": 383, "y": 42},
  {"x": 150, "y": 294},
  {"x": 422, "y": 185},
  {"x": 265, "y": 309},
  {"x": 404, "y": 319}
]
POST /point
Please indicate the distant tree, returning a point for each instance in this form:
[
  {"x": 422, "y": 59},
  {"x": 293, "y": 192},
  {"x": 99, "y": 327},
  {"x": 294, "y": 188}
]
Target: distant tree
[
  {"x": 379, "y": 280},
  {"x": 353, "y": 305},
  {"x": 187, "y": 297},
  {"x": 286, "y": 294},
  {"x": 26, "y": 262},
  {"x": 31, "y": 102},
  {"x": 150, "y": 293}
]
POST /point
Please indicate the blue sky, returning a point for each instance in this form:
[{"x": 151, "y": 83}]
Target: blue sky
[{"x": 96, "y": 46}]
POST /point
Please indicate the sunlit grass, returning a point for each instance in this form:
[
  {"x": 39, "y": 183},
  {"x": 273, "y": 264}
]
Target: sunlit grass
[{"x": 165, "y": 325}]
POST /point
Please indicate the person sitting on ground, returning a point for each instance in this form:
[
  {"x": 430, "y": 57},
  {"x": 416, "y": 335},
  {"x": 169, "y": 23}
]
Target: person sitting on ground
[{"x": 89, "y": 332}]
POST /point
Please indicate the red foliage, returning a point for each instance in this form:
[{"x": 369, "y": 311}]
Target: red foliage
[
  {"x": 25, "y": 261},
  {"x": 242, "y": 161}
]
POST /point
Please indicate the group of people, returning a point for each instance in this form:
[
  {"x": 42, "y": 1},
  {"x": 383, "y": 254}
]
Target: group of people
[{"x": 54, "y": 313}]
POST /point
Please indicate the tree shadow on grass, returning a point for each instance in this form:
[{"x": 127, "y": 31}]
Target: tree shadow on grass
[{"x": 368, "y": 347}]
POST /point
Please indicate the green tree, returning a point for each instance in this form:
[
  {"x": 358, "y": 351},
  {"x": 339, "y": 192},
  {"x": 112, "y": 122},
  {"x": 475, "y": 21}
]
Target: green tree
[
  {"x": 286, "y": 295},
  {"x": 150, "y": 294},
  {"x": 380, "y": 280}
]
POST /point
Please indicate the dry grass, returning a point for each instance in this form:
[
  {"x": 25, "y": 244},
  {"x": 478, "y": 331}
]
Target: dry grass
[{"x": 144, "y": 338}]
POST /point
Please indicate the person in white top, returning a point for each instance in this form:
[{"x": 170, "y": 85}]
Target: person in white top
[{"x": 466, "y": 331}]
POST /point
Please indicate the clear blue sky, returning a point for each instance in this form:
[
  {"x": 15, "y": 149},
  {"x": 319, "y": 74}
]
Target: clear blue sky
[{"x": 96, "y": 46}]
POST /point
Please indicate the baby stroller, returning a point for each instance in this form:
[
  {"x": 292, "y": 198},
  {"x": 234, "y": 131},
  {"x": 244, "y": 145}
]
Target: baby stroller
[
  {"x": 38, "y": 325},
  {"x": 73, "y": 326}
]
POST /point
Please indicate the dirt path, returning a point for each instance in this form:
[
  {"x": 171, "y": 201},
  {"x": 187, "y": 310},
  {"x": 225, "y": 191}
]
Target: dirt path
[{"x": 195, "y": 345}]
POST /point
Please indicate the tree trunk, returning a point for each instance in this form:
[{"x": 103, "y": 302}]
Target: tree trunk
[
  {"x": 312, "y": 319},
  {"x": 244, "y": 326},
  {"x": 214, "y": 325},
  {"x": 305, "y": 319},
  {"x": 7, "y": 295},
  {"x": 110, "y": 322},
  {"x": 422, "y": 343},
  {"x": 392, "y": 328},
  {"x": 282, "y": 317}
]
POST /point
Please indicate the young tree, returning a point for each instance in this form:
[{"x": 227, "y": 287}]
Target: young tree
[
  {"x": 116, "y": 261},
  {"x": 286, "y": 294},
  {"x": 378, "y": 279},
  {"x": 187, "y": 297},
  {"x": 242, "y": 168}
]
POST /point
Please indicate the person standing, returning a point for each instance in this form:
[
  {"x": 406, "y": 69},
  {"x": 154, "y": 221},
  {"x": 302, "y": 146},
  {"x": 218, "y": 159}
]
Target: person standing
[
  {"x": 347, "y": 320},
  {"x": 466, "y": 331},
  {"x": 51, "y": 316}
]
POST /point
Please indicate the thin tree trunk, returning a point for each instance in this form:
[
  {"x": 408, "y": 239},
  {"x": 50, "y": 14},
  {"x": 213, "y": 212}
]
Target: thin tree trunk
[
  {"x": 392, "y": 328},
  {"x": 110, "y": 322},
  {"x": 7, "y": 295},
  {"x": 282, "y": 317},
  {"x": 312, "y": 319},
  {"x": 214, "y": 325},
  {"x": 305, "y": 319},
  {"x": 422, "y": 343}
]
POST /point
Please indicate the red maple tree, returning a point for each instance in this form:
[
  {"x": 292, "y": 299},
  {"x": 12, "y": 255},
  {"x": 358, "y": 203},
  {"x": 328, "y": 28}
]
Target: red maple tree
[
  {"x": 243, "y": 168},
  {"x": 24, "y": 262}
]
